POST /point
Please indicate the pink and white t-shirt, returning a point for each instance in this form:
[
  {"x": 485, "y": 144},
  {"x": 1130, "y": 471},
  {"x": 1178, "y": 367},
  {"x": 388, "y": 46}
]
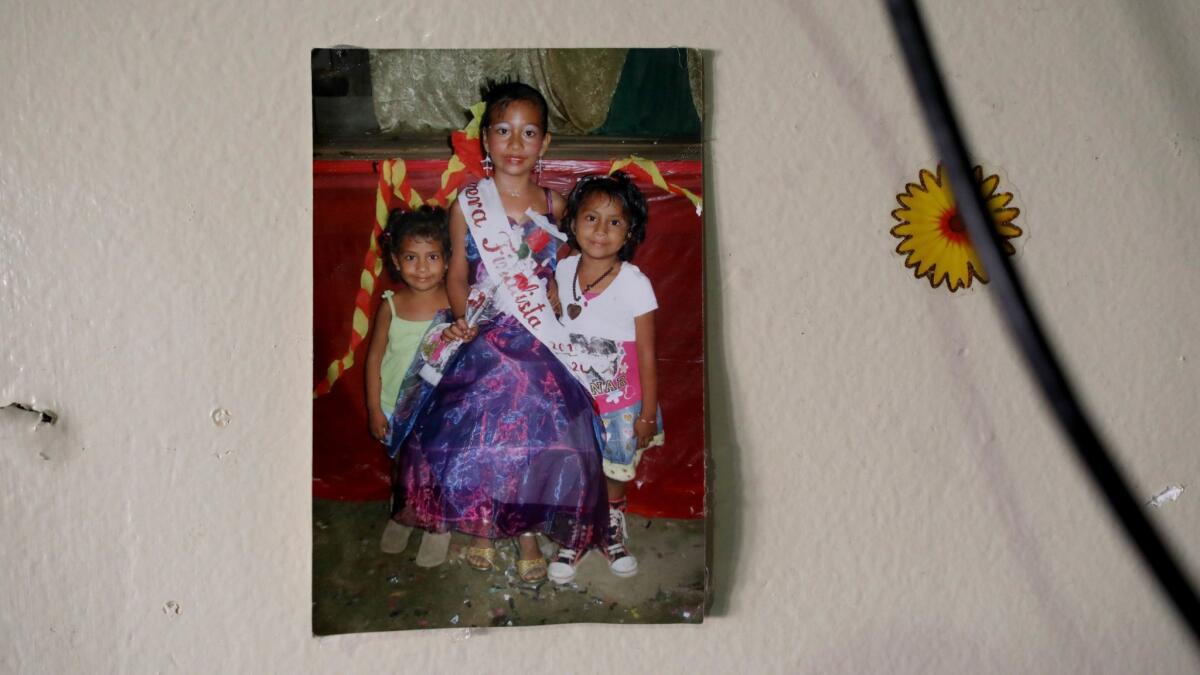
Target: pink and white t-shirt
[{"x": 605, "y": 326}]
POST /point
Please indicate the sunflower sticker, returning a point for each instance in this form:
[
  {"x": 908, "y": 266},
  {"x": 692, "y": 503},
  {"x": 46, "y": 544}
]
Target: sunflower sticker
[{"x": 933, "y": 237}]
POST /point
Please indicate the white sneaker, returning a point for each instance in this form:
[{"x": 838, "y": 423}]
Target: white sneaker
[
  {"x": 620, "y": 561},
  {"x": 562, "y": 570}
]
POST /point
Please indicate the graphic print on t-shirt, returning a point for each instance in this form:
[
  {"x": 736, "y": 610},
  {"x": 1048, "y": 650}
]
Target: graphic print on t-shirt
[{"x": 615, "y": 385}]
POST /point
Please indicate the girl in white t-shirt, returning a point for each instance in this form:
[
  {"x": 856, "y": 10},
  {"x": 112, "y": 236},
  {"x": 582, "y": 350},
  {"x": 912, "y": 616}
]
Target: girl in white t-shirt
[{"x": 608, "y": 309}]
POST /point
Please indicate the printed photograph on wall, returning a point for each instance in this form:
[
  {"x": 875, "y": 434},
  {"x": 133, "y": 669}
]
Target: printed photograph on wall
[{"x": 508, "y": 338}]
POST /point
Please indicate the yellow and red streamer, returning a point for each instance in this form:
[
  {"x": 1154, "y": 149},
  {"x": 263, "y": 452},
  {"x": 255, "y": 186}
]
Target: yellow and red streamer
[{"x": 648, "y": 170}]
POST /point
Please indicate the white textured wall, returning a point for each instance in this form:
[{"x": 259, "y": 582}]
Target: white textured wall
[{"x": 892, "y": 496}]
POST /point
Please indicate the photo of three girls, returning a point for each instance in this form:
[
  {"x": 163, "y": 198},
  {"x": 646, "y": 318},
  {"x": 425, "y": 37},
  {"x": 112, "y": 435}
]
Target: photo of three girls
[
  {"x": 543, "y": 412},
  {"x": 489, "y": 449}
]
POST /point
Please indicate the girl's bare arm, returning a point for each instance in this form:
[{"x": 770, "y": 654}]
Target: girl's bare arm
[
  {"x": 379, "y": 335},
  {"x": 456, "y": 278},
  {"x": 646, "y": 426}
]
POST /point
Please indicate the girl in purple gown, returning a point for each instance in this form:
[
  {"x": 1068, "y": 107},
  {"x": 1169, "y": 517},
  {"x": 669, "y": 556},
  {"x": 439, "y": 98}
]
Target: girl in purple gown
[{"x": 508, "y": 443}]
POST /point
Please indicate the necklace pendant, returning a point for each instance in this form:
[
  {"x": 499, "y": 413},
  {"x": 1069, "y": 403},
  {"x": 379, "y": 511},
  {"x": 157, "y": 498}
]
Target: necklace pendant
[{"x": 573, "y": 310}]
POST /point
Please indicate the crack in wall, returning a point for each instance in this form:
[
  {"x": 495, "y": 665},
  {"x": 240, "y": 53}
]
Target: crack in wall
[{"x": 44, "y": 416}]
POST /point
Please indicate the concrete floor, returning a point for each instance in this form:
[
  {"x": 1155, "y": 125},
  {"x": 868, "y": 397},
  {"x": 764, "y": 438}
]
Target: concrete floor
[{"x": 358, "y": 588}]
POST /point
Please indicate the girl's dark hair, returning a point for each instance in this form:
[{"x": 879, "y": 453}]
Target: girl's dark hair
[
  {"x": 618, "y": 187},
  {"x": 499, "y": 94},
  {"x": 427, "y": 222}
]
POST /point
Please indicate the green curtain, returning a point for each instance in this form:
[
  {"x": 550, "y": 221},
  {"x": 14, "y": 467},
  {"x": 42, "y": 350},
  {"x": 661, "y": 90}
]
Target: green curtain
[
  {"x": 653, "y": 97},
  {"x": 615, "y": 92}
]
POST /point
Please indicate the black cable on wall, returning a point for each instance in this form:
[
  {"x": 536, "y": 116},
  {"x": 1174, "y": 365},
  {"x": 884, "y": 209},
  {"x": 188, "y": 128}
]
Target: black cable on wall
[{"x": 1022, "y": 323}]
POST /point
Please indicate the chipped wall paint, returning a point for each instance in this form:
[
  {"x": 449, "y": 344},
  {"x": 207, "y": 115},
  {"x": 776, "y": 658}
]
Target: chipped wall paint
[
  {"x": 888, "y": 497},
  {"x": 1170, "y": 494}
]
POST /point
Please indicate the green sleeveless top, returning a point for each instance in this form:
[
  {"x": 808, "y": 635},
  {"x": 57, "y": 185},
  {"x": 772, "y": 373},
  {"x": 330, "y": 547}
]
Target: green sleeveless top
[{"x": 404, "y": 337}]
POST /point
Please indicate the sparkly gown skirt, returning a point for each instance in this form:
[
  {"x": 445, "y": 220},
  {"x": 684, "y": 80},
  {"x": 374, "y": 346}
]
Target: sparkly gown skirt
[{"x": 508, "y": 443}]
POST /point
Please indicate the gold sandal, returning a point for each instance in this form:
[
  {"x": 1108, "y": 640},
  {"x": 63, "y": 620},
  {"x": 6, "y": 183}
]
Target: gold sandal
[
  {"x": 532, "y": 570},
  {"x": 482, "y": 559}
]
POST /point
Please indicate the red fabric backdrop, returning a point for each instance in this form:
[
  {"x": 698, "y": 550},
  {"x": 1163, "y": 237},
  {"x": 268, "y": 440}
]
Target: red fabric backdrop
[{"x": 349, "y": 464}]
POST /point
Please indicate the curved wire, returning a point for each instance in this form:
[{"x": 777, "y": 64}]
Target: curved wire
[{"x": 1022, "y": 322}]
